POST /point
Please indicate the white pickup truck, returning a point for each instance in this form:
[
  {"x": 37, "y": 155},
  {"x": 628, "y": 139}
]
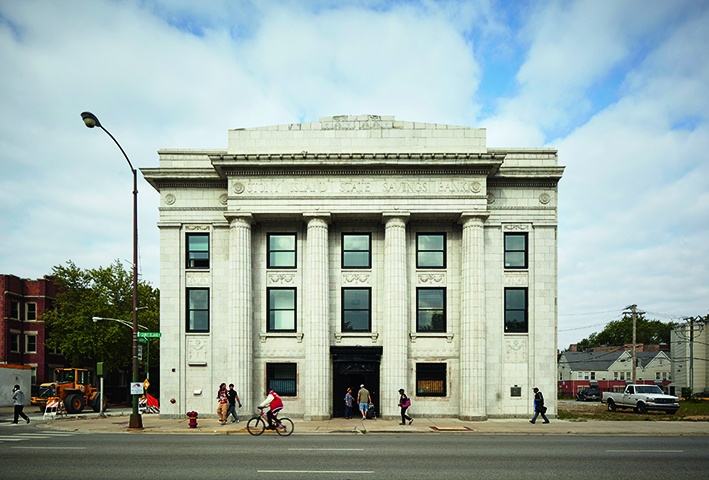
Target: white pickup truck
[{"x": 641, "y": 398}]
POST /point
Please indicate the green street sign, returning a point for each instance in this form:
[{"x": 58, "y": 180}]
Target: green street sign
[{"x": 149, "y": 334}]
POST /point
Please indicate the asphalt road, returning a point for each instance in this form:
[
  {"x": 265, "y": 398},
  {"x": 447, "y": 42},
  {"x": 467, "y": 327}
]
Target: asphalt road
[{"x": 27, "y": 453}]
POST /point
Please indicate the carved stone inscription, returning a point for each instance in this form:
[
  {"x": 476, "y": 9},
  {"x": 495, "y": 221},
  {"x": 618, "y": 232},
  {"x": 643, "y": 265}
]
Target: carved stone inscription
[
  {"x": 294, "y": 187},
  {"x": 197, "y": 350}
]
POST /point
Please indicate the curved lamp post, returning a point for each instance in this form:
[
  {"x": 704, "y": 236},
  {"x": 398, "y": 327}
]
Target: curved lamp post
[{"x": 91, "y": 121}]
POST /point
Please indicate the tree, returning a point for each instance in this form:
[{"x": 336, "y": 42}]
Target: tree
[
  {"x": 620, "y": 332},
  {"x": 101, "y": 292}
]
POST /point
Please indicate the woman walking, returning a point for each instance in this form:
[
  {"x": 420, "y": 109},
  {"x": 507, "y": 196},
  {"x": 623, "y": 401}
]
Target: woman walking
[{"x": 404, "y": 403}]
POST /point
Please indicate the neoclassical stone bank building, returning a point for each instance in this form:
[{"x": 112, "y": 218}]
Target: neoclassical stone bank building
[{"x": 308, "y": 258}]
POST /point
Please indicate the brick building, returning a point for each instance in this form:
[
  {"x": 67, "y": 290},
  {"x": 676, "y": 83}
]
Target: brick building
[{"x": 22, "y": 332}]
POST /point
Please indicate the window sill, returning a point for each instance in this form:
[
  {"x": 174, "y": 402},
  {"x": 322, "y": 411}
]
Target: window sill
[
  {"x": 265, "y": 335},
  {"x": 448, "y": 336},
  {"x": 340, "y": 335}
]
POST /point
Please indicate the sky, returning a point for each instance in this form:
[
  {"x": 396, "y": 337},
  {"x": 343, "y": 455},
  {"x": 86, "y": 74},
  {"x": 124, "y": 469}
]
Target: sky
[{"x": 618, "y": 87}]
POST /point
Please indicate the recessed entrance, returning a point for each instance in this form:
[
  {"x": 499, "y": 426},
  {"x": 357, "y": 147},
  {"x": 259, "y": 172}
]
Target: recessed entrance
[{"x": 352, "y": 367}]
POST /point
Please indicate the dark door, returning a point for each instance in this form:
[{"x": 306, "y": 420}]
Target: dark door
[{"x": 352, "y": 367}]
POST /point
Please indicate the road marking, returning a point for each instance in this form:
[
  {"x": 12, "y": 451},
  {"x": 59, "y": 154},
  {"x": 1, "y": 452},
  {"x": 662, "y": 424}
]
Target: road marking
[
  {"x": 338, "y": 472},
  {"x": 51, "y": 448},
  {"x": 645, "y": 451},
  {"x": 326, "y": 449}
]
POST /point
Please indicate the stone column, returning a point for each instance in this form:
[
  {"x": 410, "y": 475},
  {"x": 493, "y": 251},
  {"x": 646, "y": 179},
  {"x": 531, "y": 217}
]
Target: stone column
[
  {"x": 472, "y": 319},
  {"x": 395, "y": 328},
  {"x": 316, "y": 322},
  {"x": 240, "y": 336}
]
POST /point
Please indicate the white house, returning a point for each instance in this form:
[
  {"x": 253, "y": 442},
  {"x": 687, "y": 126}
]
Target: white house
[{"x": 312, "y": 257}]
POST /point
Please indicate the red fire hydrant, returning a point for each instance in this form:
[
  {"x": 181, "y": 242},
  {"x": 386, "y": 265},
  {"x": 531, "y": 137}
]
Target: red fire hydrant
[{"x": 193, "y": 419}]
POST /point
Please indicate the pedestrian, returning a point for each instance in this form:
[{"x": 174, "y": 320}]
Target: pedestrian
[
  {"x": 364, "y": 399},
  {"x": 349, "y": 400},
  {"x": 404, "y": 403},
  {"x": 18, "y": 399},
  {"x": 233, "y": 398},
  {"x": 539, "y": 408},
  {"x": 223, "y": 403}
]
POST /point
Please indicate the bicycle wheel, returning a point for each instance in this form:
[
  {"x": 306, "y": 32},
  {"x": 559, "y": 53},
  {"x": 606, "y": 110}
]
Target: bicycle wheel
[
  {"x": 285, "y": 427},
  {"x": 256, "y": 426}
]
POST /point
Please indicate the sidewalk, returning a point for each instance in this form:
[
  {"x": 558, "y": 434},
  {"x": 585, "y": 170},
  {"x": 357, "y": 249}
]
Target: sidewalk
[{"x": 116, "y": 421}]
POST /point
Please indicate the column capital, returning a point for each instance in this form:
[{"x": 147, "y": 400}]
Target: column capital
[
  {"x": 474, "y": 216},
  {"x": 243, "y": 217},
  {"x": 389, "y": 216},
  {"x": 322, "y": 216}
]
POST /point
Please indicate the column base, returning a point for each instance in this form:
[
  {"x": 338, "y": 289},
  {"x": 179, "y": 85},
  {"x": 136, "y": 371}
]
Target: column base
[
  {"x": 315, "y": 418},
  {"x": 473, "y": 418}
]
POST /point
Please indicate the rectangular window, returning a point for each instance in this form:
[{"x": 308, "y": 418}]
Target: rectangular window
[
  {"x": 15, "y": 342},
  {"x": 431, "y": 380},
  {"x": 356, "y": 310},
  {"x": 197, "y": 309},
  {"x": 281, "y": 250},
  {"x": 282, "y": 378},
  {"x": 516, "y": 310},
  {"x": 197, "y": 250},
  {"x": 31, "y": 311},
  {"x": 30, "y": 343},
  {"x": 430, "y": 250},
  {"x": 515, "y": 250},
  {"x": 281, "y": 310},
  {"x": 356, "y": 250},
  {"x": 430, "y": 309},
  {"x": 14, "y": 309}
]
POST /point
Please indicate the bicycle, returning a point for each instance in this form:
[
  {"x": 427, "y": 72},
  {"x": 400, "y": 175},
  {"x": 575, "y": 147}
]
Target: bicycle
[{"x": 257, "y": 424}]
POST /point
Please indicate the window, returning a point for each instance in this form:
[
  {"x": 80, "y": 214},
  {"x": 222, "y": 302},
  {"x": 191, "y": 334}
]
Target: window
[
  {"x": 281, "y": 310},
  {"x": 31, "y": 311},
  {"x": 516, "y": 310},
  {"x": 356, "y": 250},
  {"x": 281, "y": 378},
  {"x": 430, "y": 309},
  {"x": 430, "y": 250},
  {"x": 15, "y": 342},
  {"x": 515, "y": 250},
  {"x": 356, "y": 310},
  {"x": 30, "y": 343},
  {"x": 14, "y": 309},
  {"x": 197, "y": 250},
  {"x": 197, "y": 310},
  {"x": 431, "y": 380},
  {"x": 281, "y": 250}
]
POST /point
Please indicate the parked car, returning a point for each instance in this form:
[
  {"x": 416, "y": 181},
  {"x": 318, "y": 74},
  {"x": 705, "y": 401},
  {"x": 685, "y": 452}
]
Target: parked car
[
  {"x": 588, "y": 394},
  {"x": 641, "y": 398}
]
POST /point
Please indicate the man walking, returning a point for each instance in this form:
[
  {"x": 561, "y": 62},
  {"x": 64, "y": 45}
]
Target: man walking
[
  {"x": 233, "y": 398},
  {"x": 18, "y": 399},
  {"x": 539, "y": 407},
  {"x": 364, "y": 399}
]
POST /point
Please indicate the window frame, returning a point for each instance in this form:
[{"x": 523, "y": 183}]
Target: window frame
[
  {"x": 269, "y": 327},
  {"x": 28, "y": 348},
  {"x": 15, "y": 310},
  {"x": 345, "y": 251},
  {"x": 269, "y": 250},
  {"x": 344, "y": 309},
  {"x": 192, "y": 263},
  {"x": 28, "y": 310},
  {"x": 525, "y": 311},
  {"x": 270, "y": 373},
  {"x": 189, "y": 320},
  {"x": 524, "y": 251},
  {"x": 444, "y": 251},
  {"x": 431, "y": 372},
  {"x": 16, "y": 339},
  {"x": 420, "y": 310}
]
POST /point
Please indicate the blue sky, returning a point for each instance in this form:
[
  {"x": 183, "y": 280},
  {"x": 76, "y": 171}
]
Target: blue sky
[{"x": 618, "y": 87}]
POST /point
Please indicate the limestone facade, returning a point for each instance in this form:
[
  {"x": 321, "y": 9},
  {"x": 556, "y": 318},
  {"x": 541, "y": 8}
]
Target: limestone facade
[{"x": 313, "y": 257}]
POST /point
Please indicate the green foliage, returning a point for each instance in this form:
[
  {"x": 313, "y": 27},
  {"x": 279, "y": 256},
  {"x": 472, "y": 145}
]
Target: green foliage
[
  {"x": 102, "y": 292},
  {"x": 620, "y": 332}
]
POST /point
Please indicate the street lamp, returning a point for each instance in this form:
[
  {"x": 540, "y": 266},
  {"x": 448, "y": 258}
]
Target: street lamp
[{"x": 91, "y": 121}]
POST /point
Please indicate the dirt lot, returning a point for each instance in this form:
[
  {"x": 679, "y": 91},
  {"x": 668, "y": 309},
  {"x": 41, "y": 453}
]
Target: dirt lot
[{"x": 580, "y": 411}]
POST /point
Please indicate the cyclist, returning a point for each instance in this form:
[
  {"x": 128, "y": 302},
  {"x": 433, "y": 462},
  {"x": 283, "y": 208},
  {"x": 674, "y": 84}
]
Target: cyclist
[{"x": 274, "y": 404}]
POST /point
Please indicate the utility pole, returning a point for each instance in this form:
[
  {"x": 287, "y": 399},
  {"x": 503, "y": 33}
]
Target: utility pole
[
  {"x": 633, "y": 311},
  {"x": 691, "y": 355}
]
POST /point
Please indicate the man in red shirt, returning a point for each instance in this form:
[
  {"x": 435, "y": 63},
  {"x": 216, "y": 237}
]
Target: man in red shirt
[{"x": 275, "y": 405}]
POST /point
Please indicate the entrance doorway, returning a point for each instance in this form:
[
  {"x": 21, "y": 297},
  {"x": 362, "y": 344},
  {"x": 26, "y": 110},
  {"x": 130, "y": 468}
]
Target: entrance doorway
[{"x": 352, "y": 367}]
